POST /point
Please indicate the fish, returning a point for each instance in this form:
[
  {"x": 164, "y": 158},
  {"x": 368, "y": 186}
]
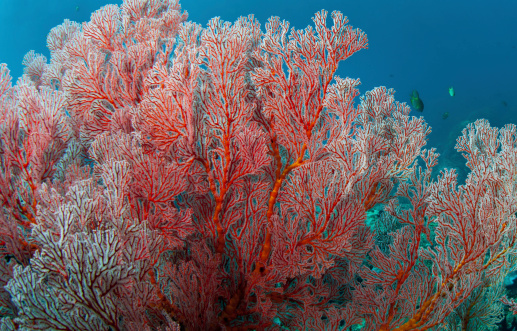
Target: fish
[
  {"x": 445, "y": 115},
  {"x": 451, "y": 91},
  {"x": 416, "y": 102}
]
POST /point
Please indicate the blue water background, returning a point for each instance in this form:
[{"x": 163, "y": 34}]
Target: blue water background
[{"x": 423, "y": 45}]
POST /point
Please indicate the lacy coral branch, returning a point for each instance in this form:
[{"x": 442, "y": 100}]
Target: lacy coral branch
[{"x": 157, "y": 174}]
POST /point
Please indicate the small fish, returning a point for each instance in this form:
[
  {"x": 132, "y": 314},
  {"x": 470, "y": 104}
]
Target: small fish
[
  {"x": 445, "y": 115},
  {"x": 416, "y": 102},
  {"x": 451, "y": 91},
  {"x": 504, "y": 103},
  {"x": 76, "y": 8}
]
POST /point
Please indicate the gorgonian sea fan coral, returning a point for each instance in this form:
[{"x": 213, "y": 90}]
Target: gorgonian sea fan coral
[{"x": 157, "y": 174}]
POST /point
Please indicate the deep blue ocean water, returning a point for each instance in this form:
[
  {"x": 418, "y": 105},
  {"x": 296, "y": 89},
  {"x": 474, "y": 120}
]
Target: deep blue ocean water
[{"x": 426, "y": 46}]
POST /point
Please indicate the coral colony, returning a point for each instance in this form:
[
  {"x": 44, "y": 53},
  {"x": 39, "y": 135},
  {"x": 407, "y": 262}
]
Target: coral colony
[{"x": 157, "y": 175}]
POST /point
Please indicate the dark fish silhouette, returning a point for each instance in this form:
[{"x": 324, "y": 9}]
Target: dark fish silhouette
[{"x": 416, "y": 102}]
